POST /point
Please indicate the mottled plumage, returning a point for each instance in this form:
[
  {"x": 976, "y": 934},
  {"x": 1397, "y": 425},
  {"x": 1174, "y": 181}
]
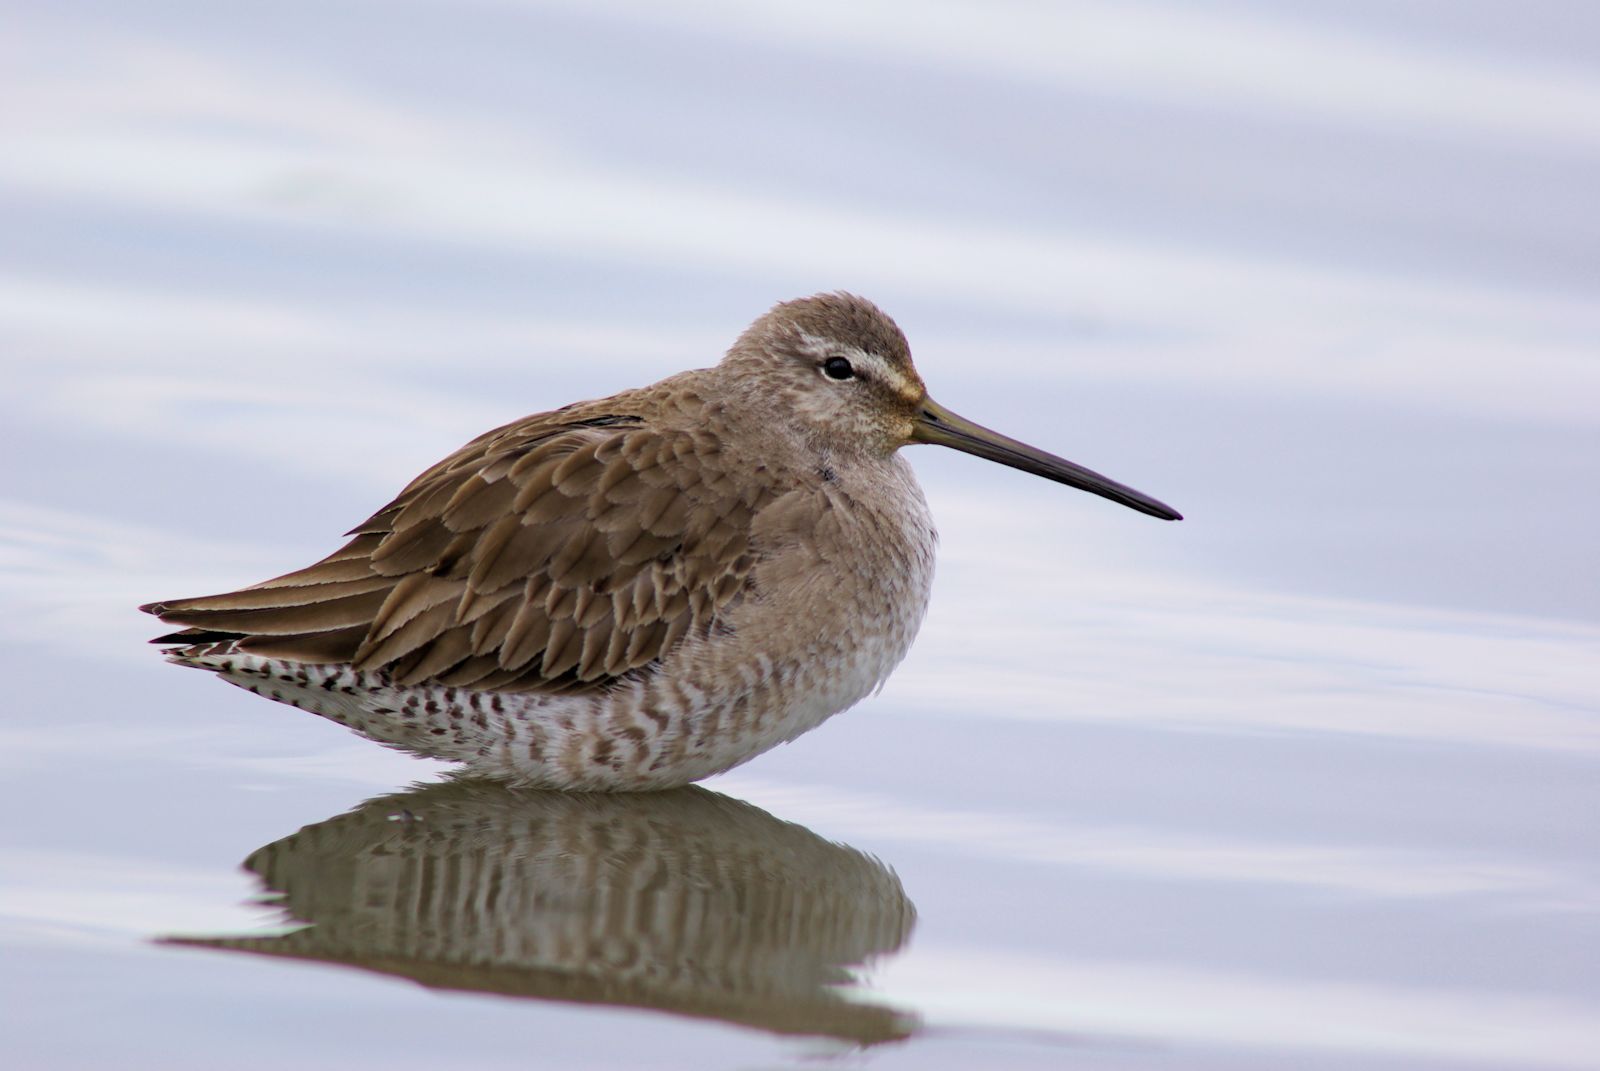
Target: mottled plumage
[{"x": 633, "y": 592}]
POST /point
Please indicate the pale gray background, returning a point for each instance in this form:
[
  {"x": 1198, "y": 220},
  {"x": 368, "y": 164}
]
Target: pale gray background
[{"x": 1310, "y": 776}]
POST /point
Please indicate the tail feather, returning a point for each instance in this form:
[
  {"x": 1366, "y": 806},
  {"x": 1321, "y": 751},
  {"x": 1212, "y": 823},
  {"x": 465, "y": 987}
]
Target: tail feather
[
  {"x": 191, "y": 636},
  {"x": 326, "y": 606}
]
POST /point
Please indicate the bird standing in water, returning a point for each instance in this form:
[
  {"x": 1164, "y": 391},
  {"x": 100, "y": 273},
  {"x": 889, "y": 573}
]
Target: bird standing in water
[{"x": 639, "y": 591}]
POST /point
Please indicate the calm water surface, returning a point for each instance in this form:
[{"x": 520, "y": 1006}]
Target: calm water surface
[{"x": 1308, "y": 780}]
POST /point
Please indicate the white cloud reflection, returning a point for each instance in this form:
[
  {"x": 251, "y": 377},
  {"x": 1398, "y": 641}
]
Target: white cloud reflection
[
  {"x": 967, "y": 988},
  {"x": 1130, "y": 646},
  {"x": 138, "y": 125},
  {"x": 1178, "y": 54},
  {"x": 1171, "y": 855}
]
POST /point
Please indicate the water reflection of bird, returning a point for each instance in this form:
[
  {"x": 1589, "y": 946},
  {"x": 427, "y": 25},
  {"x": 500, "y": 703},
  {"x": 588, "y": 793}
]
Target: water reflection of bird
[
  {"x": 683, "y": 901},
  {"x": 635, "y": 592}
]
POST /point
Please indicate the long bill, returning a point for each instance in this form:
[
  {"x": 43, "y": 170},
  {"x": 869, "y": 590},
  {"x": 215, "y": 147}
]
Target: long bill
[{"x": 938, "y": 425}]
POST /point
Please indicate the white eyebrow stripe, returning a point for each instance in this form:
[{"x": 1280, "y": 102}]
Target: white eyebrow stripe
[{"x": 821, "y": 347}]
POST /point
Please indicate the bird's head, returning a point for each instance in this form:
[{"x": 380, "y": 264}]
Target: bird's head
[{"x": 838, "y": 369}]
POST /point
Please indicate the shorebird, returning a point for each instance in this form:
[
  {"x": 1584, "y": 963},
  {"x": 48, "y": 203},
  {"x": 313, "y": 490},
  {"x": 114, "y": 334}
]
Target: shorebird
[{"x": 639, "y": 591}]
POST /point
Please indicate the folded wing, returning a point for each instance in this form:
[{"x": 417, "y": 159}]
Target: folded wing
[{"x": 555, "y": 554}]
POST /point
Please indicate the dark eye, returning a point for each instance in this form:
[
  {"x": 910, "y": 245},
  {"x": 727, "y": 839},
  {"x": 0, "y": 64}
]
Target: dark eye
[{"x": 837, "y": 368}]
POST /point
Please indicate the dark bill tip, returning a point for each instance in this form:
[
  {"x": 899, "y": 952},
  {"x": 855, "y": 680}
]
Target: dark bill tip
[{"x": 938, "y": 425}]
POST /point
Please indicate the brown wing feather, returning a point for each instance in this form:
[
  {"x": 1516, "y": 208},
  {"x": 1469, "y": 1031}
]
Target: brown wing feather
[{"x": 553, "y": 554}]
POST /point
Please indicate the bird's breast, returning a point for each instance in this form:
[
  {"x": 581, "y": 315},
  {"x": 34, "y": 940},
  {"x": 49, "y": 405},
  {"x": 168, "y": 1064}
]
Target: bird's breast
[{"x": 846, "y": 566}]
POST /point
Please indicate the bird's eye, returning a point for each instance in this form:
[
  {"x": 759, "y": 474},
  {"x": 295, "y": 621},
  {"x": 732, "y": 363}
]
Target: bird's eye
[{"x": 837, "y": 368}]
